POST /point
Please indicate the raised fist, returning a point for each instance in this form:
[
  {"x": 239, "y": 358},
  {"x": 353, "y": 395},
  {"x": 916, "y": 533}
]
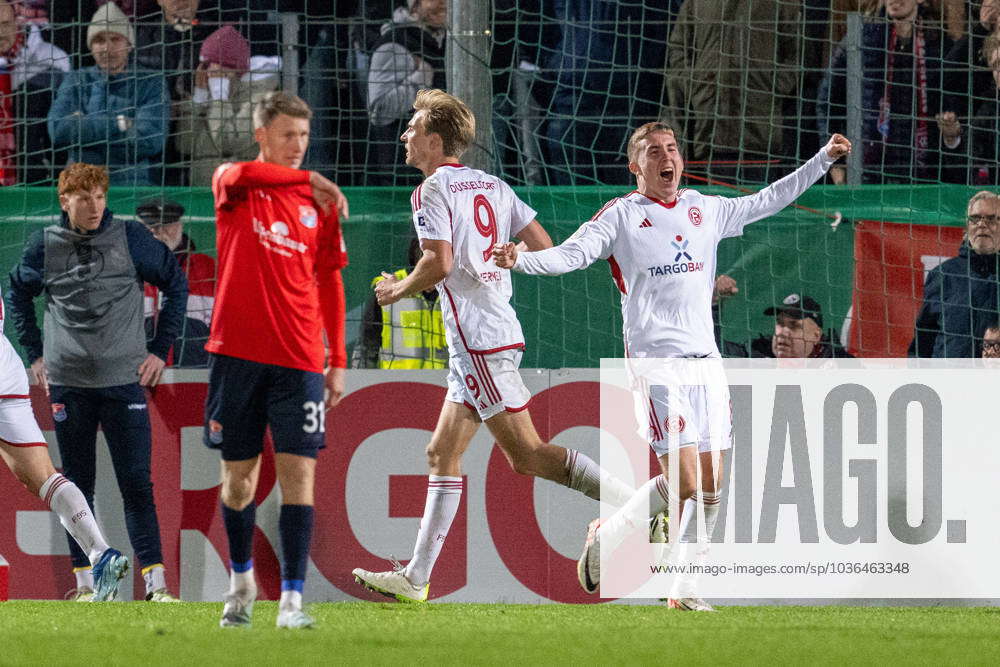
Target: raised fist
[{"x": 838, "y": 146}]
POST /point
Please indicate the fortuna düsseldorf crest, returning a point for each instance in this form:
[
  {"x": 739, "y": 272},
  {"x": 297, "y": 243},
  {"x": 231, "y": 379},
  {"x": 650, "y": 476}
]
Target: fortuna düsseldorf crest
[
  {"x": 694, "y": 215},
  {"x": 674, "y": 424}
]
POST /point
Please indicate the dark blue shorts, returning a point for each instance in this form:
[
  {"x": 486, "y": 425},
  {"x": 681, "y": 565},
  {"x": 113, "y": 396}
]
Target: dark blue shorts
[{"x": 245, "y": 397}]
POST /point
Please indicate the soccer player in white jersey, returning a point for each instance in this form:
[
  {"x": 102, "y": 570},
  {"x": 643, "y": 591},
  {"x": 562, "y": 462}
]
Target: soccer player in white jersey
[
  {"x": 660, "y": 241},
  {"x": 26, "y": 453},
  {"x": 459, "y": 214}
]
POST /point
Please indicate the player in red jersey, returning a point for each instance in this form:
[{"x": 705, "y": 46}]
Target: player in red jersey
[{"x": 280, "y": 253}]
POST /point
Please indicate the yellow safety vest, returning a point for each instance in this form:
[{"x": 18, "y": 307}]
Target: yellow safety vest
[{"x": 412, "y": 332}]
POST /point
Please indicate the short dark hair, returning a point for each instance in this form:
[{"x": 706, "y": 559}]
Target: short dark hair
[{"x": 279, "y": 103}]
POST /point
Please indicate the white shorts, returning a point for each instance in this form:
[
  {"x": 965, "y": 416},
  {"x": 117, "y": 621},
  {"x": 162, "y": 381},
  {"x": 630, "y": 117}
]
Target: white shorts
[
  {"x": 487, "y": 383},
  {"x": 685, "y": 403},
  {"x": 17, "y": 424}
]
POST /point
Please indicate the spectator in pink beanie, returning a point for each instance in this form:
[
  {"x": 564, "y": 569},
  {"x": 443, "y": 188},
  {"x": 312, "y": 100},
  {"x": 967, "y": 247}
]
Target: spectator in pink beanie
[{"x": 216, "y": 125}]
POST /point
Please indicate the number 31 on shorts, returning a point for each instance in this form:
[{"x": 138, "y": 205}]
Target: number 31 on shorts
[{"x": 315, "y": 417}]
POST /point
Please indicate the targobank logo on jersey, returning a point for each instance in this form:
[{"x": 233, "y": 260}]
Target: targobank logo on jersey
[
  {"x": 308, "y": 216},
  {"x": 276, "y": 238},
  {"x": 679, "y": 244}
]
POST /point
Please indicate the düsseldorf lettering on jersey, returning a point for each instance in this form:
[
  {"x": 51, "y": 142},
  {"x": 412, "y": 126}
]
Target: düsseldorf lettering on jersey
[{"x": 473, "y": 210}]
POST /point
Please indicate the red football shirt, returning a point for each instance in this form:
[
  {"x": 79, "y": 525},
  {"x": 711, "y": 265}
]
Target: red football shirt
[{"x": 279, "y": 263}]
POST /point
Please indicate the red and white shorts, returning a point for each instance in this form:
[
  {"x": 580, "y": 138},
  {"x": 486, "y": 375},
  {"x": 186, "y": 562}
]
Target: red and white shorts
[
  {"x": 17, "y": 423},
  {"x": 487, "y": 383},
  {"x": 685, "y": 402}
]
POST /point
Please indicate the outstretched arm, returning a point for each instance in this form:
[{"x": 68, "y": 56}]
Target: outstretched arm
[
  {"x": 592, "y": 241},
  {"x": 737, "y": 212}
]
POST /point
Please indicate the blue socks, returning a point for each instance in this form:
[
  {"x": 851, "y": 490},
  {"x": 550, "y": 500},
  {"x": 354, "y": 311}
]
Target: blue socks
[
  {"x": 239, "y": 528},
  {"x": 295, "y": 524}
]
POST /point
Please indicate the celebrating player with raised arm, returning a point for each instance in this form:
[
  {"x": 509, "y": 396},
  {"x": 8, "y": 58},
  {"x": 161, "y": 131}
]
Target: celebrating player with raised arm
[
  {"x": 459, "y": 214},
  {"x": 279, "y": 287},
  {"x": 26, "y": 453},
  {"x": 661, "y": 243}
]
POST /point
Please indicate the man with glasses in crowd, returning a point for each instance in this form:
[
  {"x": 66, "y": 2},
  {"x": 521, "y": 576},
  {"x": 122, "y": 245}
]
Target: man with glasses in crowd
[{"x": 960, "y": 295}]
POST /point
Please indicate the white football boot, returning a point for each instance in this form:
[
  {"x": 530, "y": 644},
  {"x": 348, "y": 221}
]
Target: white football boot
[
  {"x": 295, "y": 618},
  {"x": 588, "y": 567},
  {"x": 689, "y": 604},
  {"x": 393, "y": 584},
  {"x": 237, "y": 611}
]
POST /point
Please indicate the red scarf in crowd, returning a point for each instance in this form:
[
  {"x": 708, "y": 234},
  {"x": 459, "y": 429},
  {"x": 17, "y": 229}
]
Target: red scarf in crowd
[
  {"x": 8, "y": 143},
  {"x": 921, "y": 140}
]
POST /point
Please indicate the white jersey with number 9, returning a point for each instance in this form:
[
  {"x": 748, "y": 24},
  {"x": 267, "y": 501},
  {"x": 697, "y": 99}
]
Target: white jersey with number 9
[{"x": 473, "y": 210}]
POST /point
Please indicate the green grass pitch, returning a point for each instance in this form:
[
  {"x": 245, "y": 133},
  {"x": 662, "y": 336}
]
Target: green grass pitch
[{"x": 137, "y": 633}]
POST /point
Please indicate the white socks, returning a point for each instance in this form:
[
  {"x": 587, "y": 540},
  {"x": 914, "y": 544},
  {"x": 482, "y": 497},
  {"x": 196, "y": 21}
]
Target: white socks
[
  {"x": 65, "y": 499},
  {"x": 154, "y": 577},
  {"x": 651, "y": 499},
  {"x": 242, "y": 583},
  {"x": 84, "y": 577},
  {"x": 587, "y": 477},
  {"x": 290, "y": 601},
  {"x": 443, "y": 496},
  {"x": 694, "y": 544},
  {"x": 710, "y": 506}
]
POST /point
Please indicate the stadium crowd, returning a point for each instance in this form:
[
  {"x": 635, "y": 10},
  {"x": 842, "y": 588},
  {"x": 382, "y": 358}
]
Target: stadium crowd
[{"x": 751, "y": 91}]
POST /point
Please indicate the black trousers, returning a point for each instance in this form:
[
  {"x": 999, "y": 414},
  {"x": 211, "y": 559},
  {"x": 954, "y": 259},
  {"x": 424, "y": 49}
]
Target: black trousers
[{"x": 124, "y": 416}]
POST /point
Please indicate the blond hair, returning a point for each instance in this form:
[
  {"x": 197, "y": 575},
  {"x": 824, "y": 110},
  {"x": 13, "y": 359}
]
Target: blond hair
[
  {"x": 642, "y": 132},
  {"x": 449, "y": 118},
  {"x": 82, "y": 176},
  {"x": 279, "y": 103}
]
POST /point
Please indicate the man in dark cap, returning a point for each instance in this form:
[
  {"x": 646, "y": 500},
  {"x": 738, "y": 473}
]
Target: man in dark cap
[
  {"x": 798, "y": 331},
  {"x": 163, "y": 218}
]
